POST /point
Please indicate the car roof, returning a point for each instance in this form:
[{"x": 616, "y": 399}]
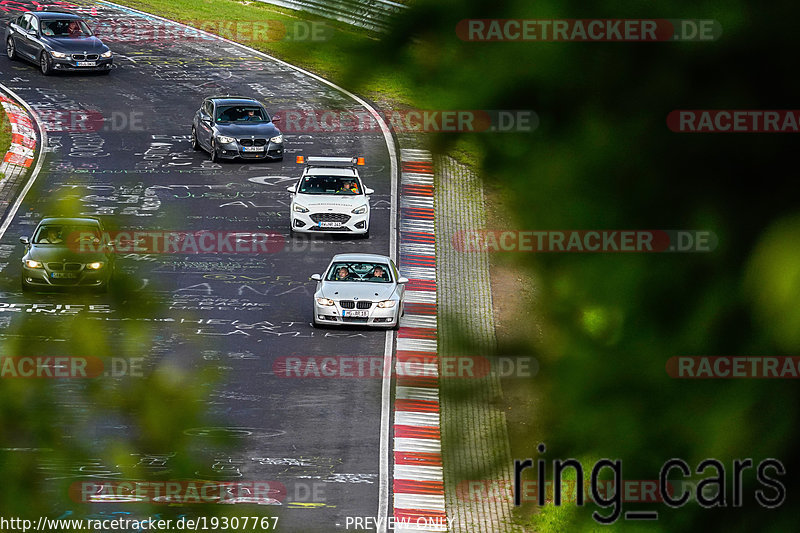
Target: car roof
[
  {"x": 54, "y": 15},
  {"x": 69, "y": 220},
  {"x": 234, "y": 100},
  {"x": 330, "y": 171},
  {"x": 361, "y": 257}
]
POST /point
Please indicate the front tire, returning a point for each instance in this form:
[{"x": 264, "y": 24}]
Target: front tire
[
  {"x": 214, "y": 157},
  {"x": 195, "y": 143},
  {"x": 44, "y": 64},
  {"x": 11, "y": 49}
]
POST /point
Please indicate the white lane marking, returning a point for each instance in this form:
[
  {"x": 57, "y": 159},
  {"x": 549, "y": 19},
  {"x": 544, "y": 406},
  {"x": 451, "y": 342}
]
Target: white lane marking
[
  {"x": 418, "y": 321},
  {"x": 415, "y": 418},
  {"x": 416, "y": 345},
  {"x": 421, "y": 297},
  {"x": 418, "y": 473},
  {"x": 415, "y": 178},
  {"x": 412, "y": 154},
  {"x": 411, "y": 370},
  {"x": 418, "y": 249},
  {"x": 418, "y": 272},
  {"x": 406, "y": 444},
  {"x": 421, "y": 226},
  {"x": 417, "y": 202},
  {"x": 431, "y": 502},
  {"x": 11, "y": 213},
  {"x": 383, "y": 491}
]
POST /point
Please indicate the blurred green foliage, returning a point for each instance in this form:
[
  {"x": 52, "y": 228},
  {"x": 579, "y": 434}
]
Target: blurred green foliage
[
  {"x": 603, "y": 158},
  {"x": 122, "y": 425}
]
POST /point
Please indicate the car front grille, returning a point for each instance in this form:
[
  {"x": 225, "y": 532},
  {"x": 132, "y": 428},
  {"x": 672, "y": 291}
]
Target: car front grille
[
  {"x": 85, "y": 57},
  {"x": 69, "y": 267},
  {"x": 253, "y": 142},
  {"x": 330, "y": 217},
  {"x": 350, "y": 304}
]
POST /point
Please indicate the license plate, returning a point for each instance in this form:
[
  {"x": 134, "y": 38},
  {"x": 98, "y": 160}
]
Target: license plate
[
  {"x": 330, "y": 224},
  {"x": 87, "y": 63},
  {"x": 68, "y": 275},
  {"x": 253, "y": 148},
  {"x": 355, "y": 314}
]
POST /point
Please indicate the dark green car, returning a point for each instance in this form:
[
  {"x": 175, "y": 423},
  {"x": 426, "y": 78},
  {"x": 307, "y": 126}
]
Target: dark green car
[{"x": 64, "y": 253}]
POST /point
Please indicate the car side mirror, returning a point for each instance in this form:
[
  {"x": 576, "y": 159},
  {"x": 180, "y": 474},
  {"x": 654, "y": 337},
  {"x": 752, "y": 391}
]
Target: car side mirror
[
  {"x": 316, "y": 277},
  {"x": 368, "y": 191},
  {"x": 31, "y": 32},
  {"x": 402, "y": 281},
  {"x": 275, "y": 118},
  {"x": 290, "y": 189},
  {"x": 24, "y": 240}
]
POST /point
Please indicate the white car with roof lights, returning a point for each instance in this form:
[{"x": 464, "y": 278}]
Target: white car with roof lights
[
  {"x": 330, "y": 197},
  {"x": 359, "y": 289}
]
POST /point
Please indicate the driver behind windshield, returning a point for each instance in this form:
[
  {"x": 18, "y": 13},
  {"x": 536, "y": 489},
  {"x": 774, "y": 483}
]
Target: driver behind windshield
[
  {"x": 343, "y": 274},
  {"x": 50, "y": 235},
  {"x": 65, "y": 28},
  {"x": 348, "y": 187},
  {"x": 378, "y": 274}
]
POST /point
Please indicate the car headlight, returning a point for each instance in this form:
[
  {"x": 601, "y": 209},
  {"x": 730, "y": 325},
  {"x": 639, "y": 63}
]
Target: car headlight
[
  {"x": 324, "y": 302},
  {"x": 225, "y": 140},
  {"x": 300, "y": 209},
  {"x": 30, "y": 263},
  {"x": 386, "y": 304},
  {"x": 58, "y": 55},
  {"x": 278, "y": 139},
  {"x": 106, "y": 54},
  {"x": 94, "y": 266},
  {"x": 360, "y": 210}
]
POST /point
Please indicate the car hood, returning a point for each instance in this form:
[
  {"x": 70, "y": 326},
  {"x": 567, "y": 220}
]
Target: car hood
[
  {"x": 78, "y": 45},
  {"x": 351, "y": 290},
  {"x": 330, "y": 201},
  {"x": 57, "y": 254},
  {"x": 259, "y": 129}
]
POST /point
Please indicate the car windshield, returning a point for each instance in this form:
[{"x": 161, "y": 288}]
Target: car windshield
[
  {"x": 359, "y": 271},
  {"x": 64, "y": 233},
  {"x": 241, "y": 114},
  {"x": 342, "y": 185},
  {"x": 70, "y": 28}
]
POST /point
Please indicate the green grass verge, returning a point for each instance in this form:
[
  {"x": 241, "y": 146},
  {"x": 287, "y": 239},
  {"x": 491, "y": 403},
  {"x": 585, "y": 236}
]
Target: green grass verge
[{"x": 288, "y": 36}]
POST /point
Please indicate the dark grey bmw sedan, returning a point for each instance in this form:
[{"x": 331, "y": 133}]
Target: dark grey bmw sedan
[
  {"x": 56, "y": 41},
  {"x": 230, "y": 127}
]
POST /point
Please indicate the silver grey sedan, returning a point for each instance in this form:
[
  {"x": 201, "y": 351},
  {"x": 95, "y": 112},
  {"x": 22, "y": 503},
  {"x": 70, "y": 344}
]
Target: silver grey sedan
[{"x": 359, "y": 289}]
